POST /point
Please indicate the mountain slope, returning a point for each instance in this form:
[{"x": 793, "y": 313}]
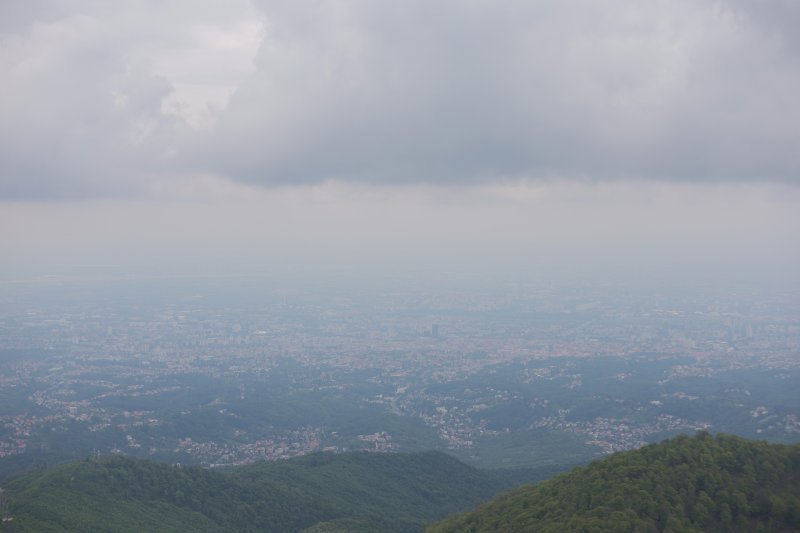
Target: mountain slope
[
  {"x": 377, "y": 492},
  {"x": 704, "y": 483}
]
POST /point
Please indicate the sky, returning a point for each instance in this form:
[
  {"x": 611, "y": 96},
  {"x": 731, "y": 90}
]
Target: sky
[{"x": 506, "y": 138}]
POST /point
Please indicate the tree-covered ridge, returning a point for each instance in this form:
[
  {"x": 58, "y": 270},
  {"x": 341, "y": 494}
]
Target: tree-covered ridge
[
  {"x": 373, "y": 492},
  {"x": 705, "y": 483}
]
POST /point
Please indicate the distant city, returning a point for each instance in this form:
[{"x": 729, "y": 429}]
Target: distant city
[{"x": 521, "y": 375}]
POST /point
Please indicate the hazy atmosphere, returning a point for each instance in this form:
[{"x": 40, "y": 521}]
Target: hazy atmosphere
[
  {"x": 211, "y": 138},
  {"x": 360, "y": 265}
]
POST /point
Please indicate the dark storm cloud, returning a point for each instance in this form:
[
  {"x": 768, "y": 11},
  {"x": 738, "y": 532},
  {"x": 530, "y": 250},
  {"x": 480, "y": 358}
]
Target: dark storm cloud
[
  {"x": 449, "y": 92},
  {"x": 443, "y": 92}
]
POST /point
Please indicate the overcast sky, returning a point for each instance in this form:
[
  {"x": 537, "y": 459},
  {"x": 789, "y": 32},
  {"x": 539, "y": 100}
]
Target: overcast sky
[{"x": 429, "y": 136}]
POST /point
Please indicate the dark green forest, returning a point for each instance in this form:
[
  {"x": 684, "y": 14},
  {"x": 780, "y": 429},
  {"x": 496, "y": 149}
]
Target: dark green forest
[
  {"x": 701, "y": 483},
  {"x": 354, "y": 491},
  {"x": 704, "y": 483}
]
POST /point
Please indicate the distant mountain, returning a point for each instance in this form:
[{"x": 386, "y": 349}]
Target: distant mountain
[
  {"x": 321, "y": 492},
  {"x": 704, "y": 483}
]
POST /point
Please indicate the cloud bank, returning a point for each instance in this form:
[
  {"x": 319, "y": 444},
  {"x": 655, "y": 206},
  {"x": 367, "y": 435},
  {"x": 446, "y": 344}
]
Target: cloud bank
[{"x": 119, "y": 99}]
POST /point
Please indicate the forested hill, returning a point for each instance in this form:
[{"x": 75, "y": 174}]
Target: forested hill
[
  {"x": 704, "y": 483},
  {"x": 347, "y": 492}
]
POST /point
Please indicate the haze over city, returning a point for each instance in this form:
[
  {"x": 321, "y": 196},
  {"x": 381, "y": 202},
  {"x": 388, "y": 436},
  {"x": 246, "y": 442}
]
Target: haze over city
[{"x": 360, "y": 265}]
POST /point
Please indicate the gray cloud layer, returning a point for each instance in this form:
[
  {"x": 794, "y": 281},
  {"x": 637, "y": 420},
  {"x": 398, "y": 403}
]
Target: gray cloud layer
[{"x": 443, "y": 92}]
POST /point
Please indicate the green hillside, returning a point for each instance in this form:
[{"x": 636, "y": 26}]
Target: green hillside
[
  {"x": 347, "y": 492},
  {"x": 704, "y": 483}
]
